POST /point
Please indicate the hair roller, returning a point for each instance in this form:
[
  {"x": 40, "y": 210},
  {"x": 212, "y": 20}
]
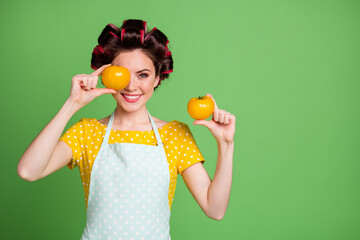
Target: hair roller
[
  {"x": 98, "y": 50},
  {"x": 147, "y": 35},
  {"x": 142, "y": 36},
  {"x": 167, "y": 72},
  {"x": 93, "y": 67},
  {"x": 145, "y": 27},
  {"x": 108, "y": 35},
  {"x": 113, "y": 26},
  {"x": 113, "y": 34},
  {"x": 122, "y": 34}
]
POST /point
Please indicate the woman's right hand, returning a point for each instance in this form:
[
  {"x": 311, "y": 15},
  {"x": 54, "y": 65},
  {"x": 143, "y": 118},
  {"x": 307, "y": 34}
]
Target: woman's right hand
[
  {"x": 83, "y": 87},
  {"x": 46, "y": 154}
]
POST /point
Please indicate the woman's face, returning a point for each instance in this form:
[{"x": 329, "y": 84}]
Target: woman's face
[{"x": 142, "y": 82}]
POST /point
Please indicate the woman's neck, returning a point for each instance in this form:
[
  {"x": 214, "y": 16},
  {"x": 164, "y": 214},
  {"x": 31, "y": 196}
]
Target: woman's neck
[{"x": 131, "y": 120}]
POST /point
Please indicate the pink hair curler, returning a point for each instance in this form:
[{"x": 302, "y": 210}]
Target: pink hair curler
[
  {"x": 122, "y": 34},
  {"x": 113, "y": 34},
  {"x": 145, "y": 26},
  {"x": 93, "y": 67},
  {"x": 167, "y": 72},
  {"x": 148, "y": 34},
  {"x": 113, "y": 26},
  {"x": 142, "y": 36},
  {"x": 98, "y": 50}
]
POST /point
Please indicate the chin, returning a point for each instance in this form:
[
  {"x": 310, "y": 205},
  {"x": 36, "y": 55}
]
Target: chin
[{"x": 130, "y": 108}]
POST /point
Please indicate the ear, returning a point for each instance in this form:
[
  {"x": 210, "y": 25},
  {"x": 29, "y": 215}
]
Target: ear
[{"x": 156, "y": 82}]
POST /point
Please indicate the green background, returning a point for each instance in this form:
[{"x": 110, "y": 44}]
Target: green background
[{"x": 288, "y": 70}]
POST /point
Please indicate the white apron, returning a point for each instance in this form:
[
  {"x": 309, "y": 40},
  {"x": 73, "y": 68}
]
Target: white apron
[{"x": 128, "y": 193}]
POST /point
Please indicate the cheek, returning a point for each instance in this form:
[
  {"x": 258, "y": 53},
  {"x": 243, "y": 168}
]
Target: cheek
[
  {"x": 149, "y": 85},
  {"x": 149, "y": 89},
  {"x": 116, "y": 96}
]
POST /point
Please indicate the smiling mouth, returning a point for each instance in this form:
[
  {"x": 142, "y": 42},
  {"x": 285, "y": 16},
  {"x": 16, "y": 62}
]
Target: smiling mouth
[{"x": 131, "y": 98}]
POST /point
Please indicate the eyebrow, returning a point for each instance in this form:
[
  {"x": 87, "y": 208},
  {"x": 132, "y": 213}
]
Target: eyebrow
[{"x": 143, "y": 70}]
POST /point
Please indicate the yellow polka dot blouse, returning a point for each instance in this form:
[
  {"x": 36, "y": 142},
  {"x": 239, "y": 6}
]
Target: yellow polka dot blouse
[{"x": 85, "y": 138}]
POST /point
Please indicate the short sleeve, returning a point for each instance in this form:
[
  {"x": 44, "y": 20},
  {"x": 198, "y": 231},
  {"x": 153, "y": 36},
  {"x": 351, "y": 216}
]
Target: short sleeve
[
  {"x": 189, "y": 151},
  {"x": 73, "y": 137}
]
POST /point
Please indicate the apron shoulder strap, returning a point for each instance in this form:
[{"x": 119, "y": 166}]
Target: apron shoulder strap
[
  {"x": 157, "y": 135},
  {"x": 108, "y": 130}
]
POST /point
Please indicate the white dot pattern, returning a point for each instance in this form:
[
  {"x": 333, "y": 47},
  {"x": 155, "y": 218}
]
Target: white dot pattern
[
  {"x": 89, "y": 133},
  {"x": 128, "y": 196}
]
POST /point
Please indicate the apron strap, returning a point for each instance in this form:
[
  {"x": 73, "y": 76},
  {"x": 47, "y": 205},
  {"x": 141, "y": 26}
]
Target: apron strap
[
  {"x": 157, "y": 135},
  {"x": 108, "y": 130}
]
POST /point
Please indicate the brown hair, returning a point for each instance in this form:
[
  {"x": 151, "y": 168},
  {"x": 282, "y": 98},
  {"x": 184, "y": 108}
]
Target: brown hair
[{"x": 133, "y": 35}]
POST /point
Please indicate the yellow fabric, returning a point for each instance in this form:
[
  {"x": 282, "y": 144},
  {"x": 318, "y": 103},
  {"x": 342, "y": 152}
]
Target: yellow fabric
[{"x": 85, "y": 138}]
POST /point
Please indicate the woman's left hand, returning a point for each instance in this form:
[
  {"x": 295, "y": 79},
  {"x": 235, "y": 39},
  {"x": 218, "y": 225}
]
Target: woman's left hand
[{"x": 222, "y": 124}]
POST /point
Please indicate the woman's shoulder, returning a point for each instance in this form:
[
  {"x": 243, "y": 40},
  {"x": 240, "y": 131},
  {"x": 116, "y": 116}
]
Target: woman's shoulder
[
  {"x": 175, "y": 126},
  {"x": 87, "y": 123},
  {"x": 81, "y": 128}
]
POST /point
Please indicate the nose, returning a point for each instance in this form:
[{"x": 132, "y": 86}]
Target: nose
[{"x": 132, "y": 84}]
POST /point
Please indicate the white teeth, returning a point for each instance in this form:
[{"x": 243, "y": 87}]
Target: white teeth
[{"x": 131, "y": 97}]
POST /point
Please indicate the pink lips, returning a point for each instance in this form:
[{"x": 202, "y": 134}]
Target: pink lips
[{"x": 131, "y": 98}]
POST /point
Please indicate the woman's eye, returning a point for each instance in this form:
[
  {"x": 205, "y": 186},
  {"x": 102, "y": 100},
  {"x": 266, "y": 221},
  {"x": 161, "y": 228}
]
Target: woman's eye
[{"x": 143, "y": 75}]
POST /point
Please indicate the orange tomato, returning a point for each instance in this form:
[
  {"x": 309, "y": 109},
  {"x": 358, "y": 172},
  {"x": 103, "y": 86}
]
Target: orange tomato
[
  {"x": 201, "y": 107},
  {"x": 115, "y": 77}
]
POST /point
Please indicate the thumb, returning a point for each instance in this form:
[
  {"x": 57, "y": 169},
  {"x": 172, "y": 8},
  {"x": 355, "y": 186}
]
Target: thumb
[
  {"x": 101, "y": 91},
  {"x": 202, "y": 122}
]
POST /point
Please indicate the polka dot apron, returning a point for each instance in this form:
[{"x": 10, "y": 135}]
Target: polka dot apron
[{"x": 128, "y": 195}]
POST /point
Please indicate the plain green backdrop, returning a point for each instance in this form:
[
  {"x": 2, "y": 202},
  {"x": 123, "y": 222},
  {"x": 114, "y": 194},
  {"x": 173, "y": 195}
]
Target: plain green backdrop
[{"x": 289, "y": 71}]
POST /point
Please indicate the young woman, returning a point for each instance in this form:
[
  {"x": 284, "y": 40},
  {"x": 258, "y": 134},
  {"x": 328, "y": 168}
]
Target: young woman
[{"x": 129, "y": 161}]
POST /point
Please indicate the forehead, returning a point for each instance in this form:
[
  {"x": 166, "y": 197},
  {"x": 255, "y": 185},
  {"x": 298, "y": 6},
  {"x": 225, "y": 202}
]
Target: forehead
[{"x": 134, "y": 60}]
